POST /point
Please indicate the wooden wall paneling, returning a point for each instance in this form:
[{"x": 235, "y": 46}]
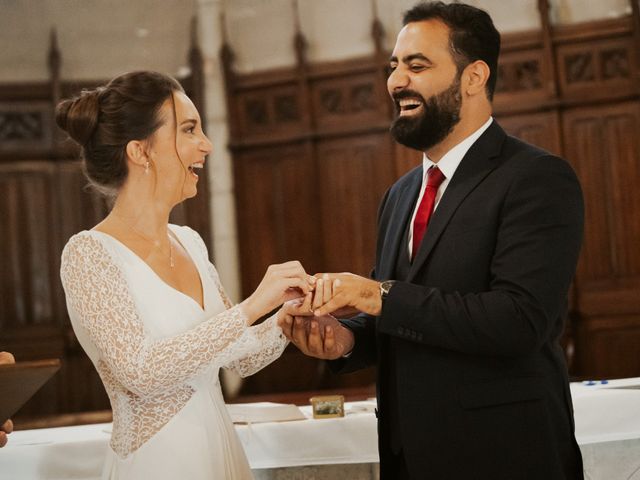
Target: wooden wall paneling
[
  {"x": 29, "y": 271},
  {"x": 354, "y": 174},
  {"x": 610, "y": 346},
  {"x": 522, "y": 78},
  {"x": 348, "y": 102},
  {"x": 269, "y": 115},
  {"x": 276, "y": 202},
  {"x": 622, "y": 124},
  {"x": 597, "y": 69},
  {"x": 25, "y": 125},
  {"x": 602, "y": 143},
  {"x": 29, "y": 327},
  {"x": 538, "y": 128}
]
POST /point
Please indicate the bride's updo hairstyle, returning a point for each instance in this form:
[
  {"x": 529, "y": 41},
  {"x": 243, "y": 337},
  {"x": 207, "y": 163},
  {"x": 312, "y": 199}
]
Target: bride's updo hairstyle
[{"x": 104, "y": 120}]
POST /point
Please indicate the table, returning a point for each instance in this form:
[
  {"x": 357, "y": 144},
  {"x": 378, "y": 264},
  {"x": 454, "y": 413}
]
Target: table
[
  {"x": 273, "y": 449},
  {"x": 607, "y": 429}
]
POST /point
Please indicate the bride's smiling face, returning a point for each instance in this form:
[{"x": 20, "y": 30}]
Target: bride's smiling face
[{"x": 178, "y": 149}]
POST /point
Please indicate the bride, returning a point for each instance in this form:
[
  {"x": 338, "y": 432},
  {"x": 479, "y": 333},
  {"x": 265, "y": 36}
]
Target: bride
[{"x": 144, "y": 300}]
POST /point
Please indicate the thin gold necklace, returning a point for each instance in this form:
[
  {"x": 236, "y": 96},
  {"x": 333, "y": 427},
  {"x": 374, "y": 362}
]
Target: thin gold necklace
[{"x": 152, "y": 241}]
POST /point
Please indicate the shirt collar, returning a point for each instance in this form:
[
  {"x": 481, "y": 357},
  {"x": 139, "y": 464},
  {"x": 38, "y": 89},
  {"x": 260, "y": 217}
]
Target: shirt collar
[{"x": 450, "y": 160}]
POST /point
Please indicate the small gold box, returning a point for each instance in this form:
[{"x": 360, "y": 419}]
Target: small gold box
[{"x": 327, "y": 406}]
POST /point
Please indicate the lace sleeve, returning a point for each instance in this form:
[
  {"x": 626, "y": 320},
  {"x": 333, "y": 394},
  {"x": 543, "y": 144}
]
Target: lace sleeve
[
  {"x": 271, "y": 341},
  {"x": 98, "y": 294},
  {"x": 272, "y": 344}
]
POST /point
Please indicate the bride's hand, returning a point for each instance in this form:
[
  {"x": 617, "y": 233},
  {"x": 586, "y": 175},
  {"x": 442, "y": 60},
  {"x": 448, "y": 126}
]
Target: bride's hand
[{"x": 281, "y": 283}]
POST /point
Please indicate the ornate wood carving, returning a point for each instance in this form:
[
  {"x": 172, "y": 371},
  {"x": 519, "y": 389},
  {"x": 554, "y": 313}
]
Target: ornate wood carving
[
  {"x": 25, "y": 125},
  {"x": 519, "y": 76},
  {"x": 580, "y": 67},
  {"x": 615, "y": 63},
  {"x": 597, "y": 69},
  {"x": 286, "y": 108}
]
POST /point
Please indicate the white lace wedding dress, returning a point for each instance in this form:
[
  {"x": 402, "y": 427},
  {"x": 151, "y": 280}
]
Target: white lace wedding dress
[{"x": 158, "y": 354}]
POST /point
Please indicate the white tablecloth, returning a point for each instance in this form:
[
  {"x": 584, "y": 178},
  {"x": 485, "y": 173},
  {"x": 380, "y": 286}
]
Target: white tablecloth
[{"x": 607, "y": 428}]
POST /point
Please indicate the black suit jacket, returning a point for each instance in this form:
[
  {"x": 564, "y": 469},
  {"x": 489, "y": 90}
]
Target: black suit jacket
[{"x": 481, "y": 387}]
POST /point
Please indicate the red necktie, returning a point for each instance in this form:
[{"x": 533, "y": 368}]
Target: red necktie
[{"x": 434, "y": 179}]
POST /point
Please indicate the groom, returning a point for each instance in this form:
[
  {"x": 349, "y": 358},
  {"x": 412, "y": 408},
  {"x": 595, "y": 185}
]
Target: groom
[{"x": 476, "y": 250}]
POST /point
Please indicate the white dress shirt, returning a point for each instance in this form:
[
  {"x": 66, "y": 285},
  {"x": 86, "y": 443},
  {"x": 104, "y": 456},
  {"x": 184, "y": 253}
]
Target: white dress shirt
[{"x": 448, "y": 165}]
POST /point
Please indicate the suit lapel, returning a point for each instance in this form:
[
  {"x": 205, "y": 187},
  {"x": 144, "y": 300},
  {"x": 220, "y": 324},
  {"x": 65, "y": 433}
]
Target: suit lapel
[
  {"x": 397, "y": 225},
  {"x": 478, "y": 162}
]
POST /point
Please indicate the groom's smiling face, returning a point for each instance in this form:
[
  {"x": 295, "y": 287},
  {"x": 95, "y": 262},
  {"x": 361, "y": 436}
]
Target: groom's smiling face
[{"x": 424, "y": 84}]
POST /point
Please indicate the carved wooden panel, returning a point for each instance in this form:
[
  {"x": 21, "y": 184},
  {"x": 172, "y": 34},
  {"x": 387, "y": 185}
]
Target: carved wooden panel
[
  {"x": 603, "y": 145},
  {"x": 263, "y": 112},
  {"x": 25, "y": 125},
  {"x": 540, "y": 129},
  {"x": 521, "y": 72},
  {"x": 277, "y": 200},
  {"x": 26, "y": 245},
  {"x": 588, "y": 68},
  {"x": 354, "y": 100},
  {"x": 608, "y": 346},
  {"x": 522, "y": 80},
  {"x": 353, "y": 175}
]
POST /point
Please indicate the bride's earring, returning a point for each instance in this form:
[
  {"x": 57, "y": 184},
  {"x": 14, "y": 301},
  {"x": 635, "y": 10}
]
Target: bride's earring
[{"x": 146, "y": 168}]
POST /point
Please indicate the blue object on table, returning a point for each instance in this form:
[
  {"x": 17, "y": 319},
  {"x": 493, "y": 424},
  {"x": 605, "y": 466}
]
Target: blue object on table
[{"x": 595, "y": 382}]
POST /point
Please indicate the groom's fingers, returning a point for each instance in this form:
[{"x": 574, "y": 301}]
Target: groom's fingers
[
  {"x": 305, "y": 308},
  {"x": 318, "y": 294},
  {"x": 328, "y": 288},
  {"x": 338, "y": 301},
  {"x": 329, "y": 340},
  {"x": 315, "y": 339},
  {"x": 299, "y": 335}
]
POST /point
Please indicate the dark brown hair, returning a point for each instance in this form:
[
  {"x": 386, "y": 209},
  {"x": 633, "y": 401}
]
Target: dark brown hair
[
  {"x": 104, "y": 120},
  {"x": 472, "y": 34}
]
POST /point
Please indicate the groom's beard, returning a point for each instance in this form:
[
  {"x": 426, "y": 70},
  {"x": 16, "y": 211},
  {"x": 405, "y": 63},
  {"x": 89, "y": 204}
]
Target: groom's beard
[{"x": 440, "y": 113}]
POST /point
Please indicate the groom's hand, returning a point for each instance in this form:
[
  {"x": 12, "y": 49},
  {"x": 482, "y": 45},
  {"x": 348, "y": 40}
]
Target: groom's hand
[
  {"x": 348, "y": 291},
  {"x": 319, "y": 337}
]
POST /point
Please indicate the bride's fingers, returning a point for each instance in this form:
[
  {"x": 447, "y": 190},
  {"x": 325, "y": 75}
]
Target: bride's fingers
[
  {"x": 328, "y": 287},
  {"x": 300, "y": 284},
  {"x": 291, "y": 269},
  {"x": 305, "y": 307},
  {"x": 318, "y": 295},
  {"x": 300, "y": 307}
]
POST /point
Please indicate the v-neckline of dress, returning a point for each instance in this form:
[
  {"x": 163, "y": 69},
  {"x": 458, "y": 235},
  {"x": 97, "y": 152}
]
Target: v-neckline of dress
[{"x": 203, "y": 307}]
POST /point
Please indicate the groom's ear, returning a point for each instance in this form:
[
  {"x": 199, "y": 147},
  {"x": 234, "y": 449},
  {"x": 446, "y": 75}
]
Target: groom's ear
[{"x": 475, "y": 77}]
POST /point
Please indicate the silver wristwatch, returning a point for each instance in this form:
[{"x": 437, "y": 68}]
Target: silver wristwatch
[{"x": 385, "y": 287}]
